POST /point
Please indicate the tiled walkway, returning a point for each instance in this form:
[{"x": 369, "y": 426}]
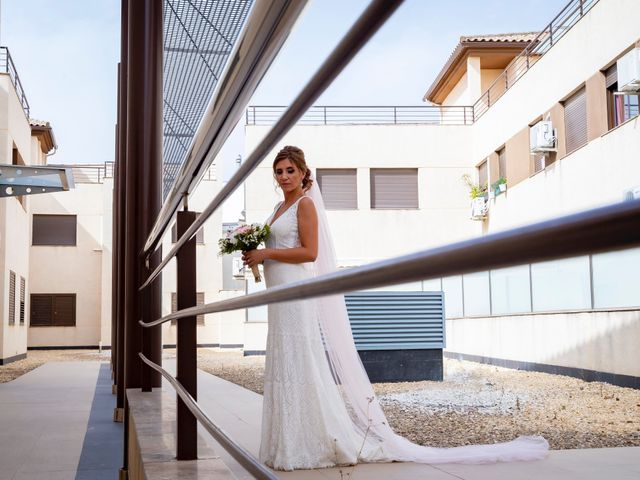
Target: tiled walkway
[{"x": 56, "y": 424}]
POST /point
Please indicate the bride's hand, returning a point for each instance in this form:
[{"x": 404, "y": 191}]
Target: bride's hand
[{"x": 254, "y": 257}]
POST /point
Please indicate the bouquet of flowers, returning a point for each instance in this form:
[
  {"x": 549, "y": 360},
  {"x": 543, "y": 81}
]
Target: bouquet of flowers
[{"x": 244, "y": 238}]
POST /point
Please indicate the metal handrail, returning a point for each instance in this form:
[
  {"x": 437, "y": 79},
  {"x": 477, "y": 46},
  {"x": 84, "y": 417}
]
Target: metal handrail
[
  {"x": 572, "y": 12},
  {"x": 606, "y": 228},
  {"x": 369, "y": 114},
  {"x": 367, "y": 24},
  {"x": 242, "y": 456},
  {"x": 7, "y": 66},
  {"x": 267, "y": 28}
]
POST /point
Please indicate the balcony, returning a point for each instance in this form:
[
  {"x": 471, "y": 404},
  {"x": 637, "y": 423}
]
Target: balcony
[{"x": 7, "y": 66}]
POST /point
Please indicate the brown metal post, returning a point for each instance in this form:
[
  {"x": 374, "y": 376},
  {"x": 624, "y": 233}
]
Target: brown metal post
[
  {"x": 187, "y": 448},
  {"x": 121, "y": 227},
  {"x": 143, "y": 179}
]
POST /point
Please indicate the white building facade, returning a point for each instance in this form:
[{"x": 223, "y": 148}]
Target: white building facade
[{"x": 576, "y": 316}]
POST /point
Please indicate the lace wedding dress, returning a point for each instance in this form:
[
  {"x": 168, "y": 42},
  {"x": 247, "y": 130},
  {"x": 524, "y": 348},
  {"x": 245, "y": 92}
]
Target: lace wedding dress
[{"x": 319, "y": 408}]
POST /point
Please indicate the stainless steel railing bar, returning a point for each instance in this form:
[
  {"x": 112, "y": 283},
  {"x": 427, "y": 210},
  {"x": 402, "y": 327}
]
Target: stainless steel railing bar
[
  {"x": 606, "y": 228},
  {"x": 242, "y": 456},
  {"x": 369, "y": 22}
]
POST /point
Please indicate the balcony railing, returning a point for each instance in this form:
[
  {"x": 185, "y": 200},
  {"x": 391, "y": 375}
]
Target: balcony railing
[
  {"x": 369, "y": 115},
  {"x": 7, "y": 66},
  {"x": 567, "y": 18}
]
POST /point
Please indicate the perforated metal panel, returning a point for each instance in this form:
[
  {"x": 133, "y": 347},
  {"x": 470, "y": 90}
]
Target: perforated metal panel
[{"x": 396, "y": 320}]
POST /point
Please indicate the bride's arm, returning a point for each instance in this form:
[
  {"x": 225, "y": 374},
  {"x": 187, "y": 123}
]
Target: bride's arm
[{"x": 308, "y": 232}]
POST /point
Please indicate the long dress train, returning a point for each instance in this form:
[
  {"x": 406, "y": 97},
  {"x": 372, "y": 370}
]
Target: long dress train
[{"x": 319, "y": 408}]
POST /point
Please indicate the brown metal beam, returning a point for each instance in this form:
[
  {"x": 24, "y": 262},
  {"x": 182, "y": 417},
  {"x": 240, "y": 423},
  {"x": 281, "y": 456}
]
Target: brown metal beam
[
  {"x": 143, "y": 180},
  {"x": 187, "y": 444}
]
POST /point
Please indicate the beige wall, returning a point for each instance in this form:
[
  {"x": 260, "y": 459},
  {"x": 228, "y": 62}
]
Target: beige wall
[
  {"x": 226, "y": 328},
  {"x": 14, "y": 224},
  {"x": 600, "y": 341},
  {"x": 76, "y": 269}
]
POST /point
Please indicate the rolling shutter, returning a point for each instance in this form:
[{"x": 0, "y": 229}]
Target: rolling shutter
[
  {"x": 339, "y": 188},
  {"x": 12, "y": 298},
  {"x": 611, "y": 75},
  {"x": 394, "y": 188},
  {"x": 502, "y": 163},
  {"x": 54, "y": 230},
  {"x": 575, "y": 120},
  {"x": 23, "y": 288}
]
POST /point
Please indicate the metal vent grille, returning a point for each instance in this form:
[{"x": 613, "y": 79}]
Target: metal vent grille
[
  {"x": 396, "y": 320},
  {"x": 198, "y": 38}
]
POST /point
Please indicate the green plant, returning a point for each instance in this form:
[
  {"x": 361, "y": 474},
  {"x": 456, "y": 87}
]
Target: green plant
[
  {"x": 495, "y": 186},
  {"x": 475, "y": 189}
]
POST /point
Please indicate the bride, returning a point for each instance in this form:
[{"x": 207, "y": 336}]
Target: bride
[{"x": 319, "y": 408}]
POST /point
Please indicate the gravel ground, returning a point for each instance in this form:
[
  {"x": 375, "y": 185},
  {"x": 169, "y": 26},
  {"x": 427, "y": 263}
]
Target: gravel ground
[
  {"x": 474, "y": 404},
  {"x": 485, "y": 404}
]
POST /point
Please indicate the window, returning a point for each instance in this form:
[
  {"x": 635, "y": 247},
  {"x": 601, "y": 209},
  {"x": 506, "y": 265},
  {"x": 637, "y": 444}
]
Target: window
[
  {"x": 620, "y": 108},
  {"x": 575, "y": 120},
  {"x": 12, "y": 298},
  {"x": 510, "y": 290},
  {"x": 54, "y": 230},
  {"x": 394, "y": 188},
  {"x": 23, "y": 287},
  {"x": 476, "y": 295},
  {"x": 53, "y": 310},
  {"x": 229, "y": 282},
  {"x": 502, "y": 163},
  {"x": 199, "y": 234},
  {"x": 338, "y": 187},
  {"x": 615, "y": 279},
  {"x": 199, "y": 301},
  {"x": 561, "y": 285},
  {"x": 483, "y": 174}
]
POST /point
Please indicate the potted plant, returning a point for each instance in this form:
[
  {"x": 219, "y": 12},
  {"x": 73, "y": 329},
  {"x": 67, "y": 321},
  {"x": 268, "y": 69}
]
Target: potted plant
[
  {"x": 475, "y": 189},
  {"x": 499, "y": 186}
]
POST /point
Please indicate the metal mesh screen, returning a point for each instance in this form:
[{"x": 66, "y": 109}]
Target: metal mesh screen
[{"x": 198, "y": 38}]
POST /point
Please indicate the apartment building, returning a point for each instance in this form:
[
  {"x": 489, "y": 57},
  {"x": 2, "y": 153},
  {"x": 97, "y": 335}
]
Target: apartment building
[{"x": 392, "y": 182}]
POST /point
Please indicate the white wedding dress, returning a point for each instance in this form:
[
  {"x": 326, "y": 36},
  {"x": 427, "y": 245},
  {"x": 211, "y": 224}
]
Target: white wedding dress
[{"x": 319, "y": 408}]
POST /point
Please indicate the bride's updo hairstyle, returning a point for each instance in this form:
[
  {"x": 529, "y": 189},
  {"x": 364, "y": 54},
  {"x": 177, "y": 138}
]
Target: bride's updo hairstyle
[{"x": 296, "y": 156}]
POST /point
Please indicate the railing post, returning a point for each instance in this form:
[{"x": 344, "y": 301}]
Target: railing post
[
  {"x": 550, "y": 34},
  {"x": 325, "y": 114},
  {"x": 186, "y": 344},
  {"x": 395, "y": 115},
  {"x": 581, "y": 8}
]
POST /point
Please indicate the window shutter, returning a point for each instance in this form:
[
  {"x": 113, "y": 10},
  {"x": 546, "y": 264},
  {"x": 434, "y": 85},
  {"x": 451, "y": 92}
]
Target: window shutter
[
  {"x": 64, "y": 310},
  {"x": 41, "y": 310},
  {"x": 483, "y": 174},
  {"x": 575, "y": 119},
  {"x": 394, "y": 188},
  {"x": 12, "y": 298},
  {"x": 339, "y": 188},
  {"x": 23, "y": 288},
  {"x": 611, "y": 75},
  {"x": 54, "y": 230},
  {"x": 502, "y": 162}
]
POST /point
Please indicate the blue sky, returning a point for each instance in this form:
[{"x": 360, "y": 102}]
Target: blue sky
[{"x": 66, "y": 53}]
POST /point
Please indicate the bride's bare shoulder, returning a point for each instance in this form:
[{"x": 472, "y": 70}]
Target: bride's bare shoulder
[{"x": 306, "y": 206}]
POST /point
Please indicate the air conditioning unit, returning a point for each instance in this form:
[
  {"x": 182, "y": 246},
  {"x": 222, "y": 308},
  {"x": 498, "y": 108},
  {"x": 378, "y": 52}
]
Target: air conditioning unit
[
  {"x": 542, "y": 137},
  {"x": 478, "y": 208},
  {"x": 628, "y": 67}
]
